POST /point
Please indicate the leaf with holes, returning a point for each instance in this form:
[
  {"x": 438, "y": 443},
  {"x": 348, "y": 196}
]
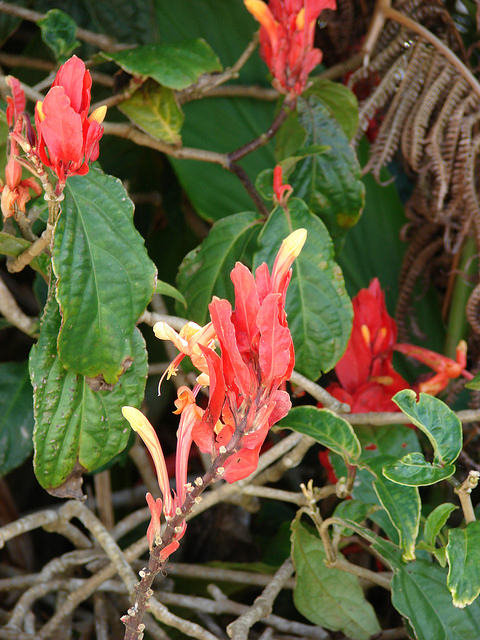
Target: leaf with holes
[
  {"x": 176, "y": 66},
  {"x": 318, "y": 307},
  {"x": 155, "y": 110},
  {"x": 326, "y": 428},
  {"x": 79, "y": 420},
  {"x": 205, "y": 271},
  {"x": 105, "y": 277},
  {"x": 328, "y": 597},
  {"x": 436, "y": 420},
  {"x": 463, "y": 555}
]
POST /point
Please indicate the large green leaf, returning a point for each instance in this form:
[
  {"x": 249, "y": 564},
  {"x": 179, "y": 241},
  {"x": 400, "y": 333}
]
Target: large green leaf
[
  {"x": 436, "y": 420},
  {"x": 329, "y": 182},
  {"x": 340, "y": 101},
  {"x": 105, "y": 278},
  {"x": 205, "y": 271},
  {"x": 155, "y": 110},
  {"x": 16, "y": 420},
  {"x": 319, "y": 310},
  {"x": 326, "y": 428},
  {"x": 78, "y": 420},
  {"x": 328, "y": 597},
  {"x": 175, "y": 66},
  {"x": 463, "y": 554},
  {"x": 414, "y": 471},
  {"x": 436, "y": 520},
  {"x": 419, "y": 593}
]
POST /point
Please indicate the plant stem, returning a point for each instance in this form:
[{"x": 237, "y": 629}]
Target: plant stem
[{"x": 464, "y": 495}]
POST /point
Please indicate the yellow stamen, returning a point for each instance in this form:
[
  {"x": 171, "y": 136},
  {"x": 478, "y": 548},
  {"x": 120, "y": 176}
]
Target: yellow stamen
[
  {"x": 300, "y": 21},
  {"x": 39, "y": 108},
  {"x": 98, "y": 115},
  {"x": 366, "y": 334}
]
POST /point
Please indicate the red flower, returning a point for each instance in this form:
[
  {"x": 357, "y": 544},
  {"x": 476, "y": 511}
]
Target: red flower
[
  {"x": 286, "y": 39},
  {"x": 67, "y": 137}
]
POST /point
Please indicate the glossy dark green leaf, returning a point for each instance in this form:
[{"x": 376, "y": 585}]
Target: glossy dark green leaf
[
  {"x": 463, "y": 555},
  {"x": 420, "y": 594},
  {"x": 326, "y": 428},
  {"x": 165, "y": 289},
  {"x": 105, "y": 278},
  {"x": 436, "y": 420},
  {"x": 340, "y": 101},
  {"x": 329, "y": 182},
  {"x": 319, "y": 310},
  {"x": 436, "y": 520},
  {"x": 328, "y": 597},
  {"x": 413, "y": 470},
  {"x": 58, "y": 32},
  {"x": 16, "y": 419},
  {"x": 205, "y": 271},
  {"x": 175, "y": 66},
  {"x": 79, "y": 420},
  {"x": 155, "y": 110}
]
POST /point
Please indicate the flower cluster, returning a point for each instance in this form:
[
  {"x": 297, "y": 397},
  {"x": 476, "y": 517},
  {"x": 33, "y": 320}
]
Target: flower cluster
[
  {"x": 256, "y": 357},
  {"x": 66, "y": 138},
  {"x": 286, "y": 39},
  {"x": 367, "y": 378}
]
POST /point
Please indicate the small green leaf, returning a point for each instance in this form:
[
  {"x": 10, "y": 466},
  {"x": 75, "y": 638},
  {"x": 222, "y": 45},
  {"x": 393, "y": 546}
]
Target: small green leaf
[
  {"x": 420, "y": 594},
  {"x": 155, "y": 110},
  {"x": 436, "y": 420},
  {"x": 355, "y": 510},
  {"x": 78, "y": 420},
  {"x": 14, "y": 246},
  {"x": 413, "y": 470},
  {"x": 474, "y": 384},
  {"x": 319, "y": 310},
  {"x": 329, "y": 182},
  {"x": 328, "y": 597},
  {"x": 58, "y": 32},
  {"x": 326, "y": 428},
  {"x": 401, "y": 503},
  {"x": 105, "y": 277},
  {"x": 436, "y": 520},
  {"x": 16, "y": 419},
  {"x": 205, "y": 271},
  {"x": 340, "y": 101},
  {"x": 165, "y": 289},
  {"x": 175, "y": 66},
  {"x": 463, "y": 555}
]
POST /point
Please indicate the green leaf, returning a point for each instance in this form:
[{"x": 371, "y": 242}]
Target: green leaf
[
  {"x": 413, "y": 470},
  {"x": 105, "y": 278},
  {"x": 463, "y": 555},
  {"x": 58, "y": 32},
  {"x": 155, "y": 110},
  {"x": 474, "y": 384},
  {"x": 340, "y": 101},
  {"x": 355, "y": 510},
  {"x": 420, "y": 594},
  {"x": 205, "y": 271},
  {"x": 401, "y": 503},
  {"x": 436, "y": 520},
  {"x": 78, "y": 420},
  {"x": 319, "y": 310},
  {"x": 13, "y": 246},
  {"x": 175, "y": 66},
  {"x": 165, "y": 289},
  {"x": 16, "y": 420},
  {"x": 328, "y": 597},
  {"x": 329, "y": 182},
  {"x": 436, "y": 420},
  {"x": 326, "y": 428}
]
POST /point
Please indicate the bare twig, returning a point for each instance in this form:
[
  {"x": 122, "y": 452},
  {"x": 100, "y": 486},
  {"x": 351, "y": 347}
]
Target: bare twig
[
  {"x": 203, "y": 572},
  {"x": 103, "y": 494},
  {"x": 464, "y": 495},
  {"x": 34, "y": 250},
  {"x": 262, "y": 607},
  {"x": 319, "y": 393},
  {"x": 12, "y": 312},
  {"x": 139, "y": 455}
]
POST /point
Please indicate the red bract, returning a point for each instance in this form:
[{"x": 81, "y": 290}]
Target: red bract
[
  {"x": 286, "y": 39},
  {"x": 67, "y": 137}
]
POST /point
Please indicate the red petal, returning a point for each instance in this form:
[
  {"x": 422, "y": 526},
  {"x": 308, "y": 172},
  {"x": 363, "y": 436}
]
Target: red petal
[
  {"x": 275, "y": 343},
  {"x": 246, "y": 309},
  {"x": 61, "y": 129},
  {"x": 217, "y": 387},
  {"x": 241, "y": 464},
  {"x": 76, "y": 81}
]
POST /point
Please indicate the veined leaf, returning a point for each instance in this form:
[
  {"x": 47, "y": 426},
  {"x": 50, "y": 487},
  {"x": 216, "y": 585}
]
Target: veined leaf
[
  {"x": 105, "y": 278},
  {"x": 327, "y": 596},
  {"x": 436, "y": 420},
  {"x": 436, "y": 520},
  {"x": 58, "y": 32},
  {"x": 155, "y": 110},
  {"x": 16, "y": 420},
  {"x": 175, "y": 66},
  {"x": 463, "y": 555},
  {"x": 340, "y": 101},
  {"x": 78, "y": 420},
  {"x": 413, "y": 470},
  {"x": 419, "y": 593},
  {"x": 319, "y": 310},
  {"x": 205, "y": 271},
  {"x": 326, "y": 428}
]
